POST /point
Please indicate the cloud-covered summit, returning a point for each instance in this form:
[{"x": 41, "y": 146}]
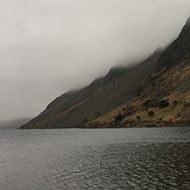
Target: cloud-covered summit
[{"x": 49, "y": 47}]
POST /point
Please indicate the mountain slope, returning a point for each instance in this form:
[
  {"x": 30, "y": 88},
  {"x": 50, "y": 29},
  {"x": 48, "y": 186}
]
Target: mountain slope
[
  {"x": 156, "y": 77},
  {"x": 177, "y": 51}
]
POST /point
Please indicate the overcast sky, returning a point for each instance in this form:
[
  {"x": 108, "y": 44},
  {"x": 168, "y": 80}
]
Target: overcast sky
[{"x": 48, "y": 47}]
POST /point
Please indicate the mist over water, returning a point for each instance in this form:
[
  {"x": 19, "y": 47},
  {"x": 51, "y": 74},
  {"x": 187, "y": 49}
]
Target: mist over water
[{"x": 148, "y": 158}]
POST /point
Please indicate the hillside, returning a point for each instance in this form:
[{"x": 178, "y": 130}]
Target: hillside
[{"x": 164, "y": 75}]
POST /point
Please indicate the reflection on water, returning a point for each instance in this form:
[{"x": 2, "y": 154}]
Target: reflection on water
[{"x": 95, "y": 159}]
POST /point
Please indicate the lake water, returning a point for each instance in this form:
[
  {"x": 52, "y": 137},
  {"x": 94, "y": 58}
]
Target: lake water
[{"x": 108, "y": 159}]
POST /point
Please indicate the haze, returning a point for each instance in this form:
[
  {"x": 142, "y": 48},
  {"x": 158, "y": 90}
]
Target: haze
[{"x": 48, "y": 47}]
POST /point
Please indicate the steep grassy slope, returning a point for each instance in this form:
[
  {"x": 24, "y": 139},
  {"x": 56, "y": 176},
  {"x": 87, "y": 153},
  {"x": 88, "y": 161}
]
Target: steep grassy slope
[
  {"x": 163, "y": 75},
  {"x": 173, "y": 86}
]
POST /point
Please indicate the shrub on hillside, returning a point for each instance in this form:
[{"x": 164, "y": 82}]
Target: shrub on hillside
[
  {"x": 151, "y": 113},
  {"x": 146, "y": 103},
  {"x": 119, "y": 117},
  {"x": 138, "y": 117},
  {"x": 163, "y": 104},
  {"x": 175, "y": 102}
]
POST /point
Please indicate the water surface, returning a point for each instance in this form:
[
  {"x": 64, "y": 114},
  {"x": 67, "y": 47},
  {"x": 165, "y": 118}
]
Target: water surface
[{"x": 79, "y": 159}]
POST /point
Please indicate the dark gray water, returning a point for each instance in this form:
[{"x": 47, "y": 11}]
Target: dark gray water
[{"x": 77, "y": 159}]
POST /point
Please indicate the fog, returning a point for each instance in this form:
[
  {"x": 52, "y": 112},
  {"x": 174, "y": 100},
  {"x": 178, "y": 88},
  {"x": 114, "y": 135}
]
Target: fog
[{"x": 48, "y": 47}]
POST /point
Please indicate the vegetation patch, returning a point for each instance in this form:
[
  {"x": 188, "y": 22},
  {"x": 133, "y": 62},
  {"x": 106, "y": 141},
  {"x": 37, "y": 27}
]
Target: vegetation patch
[
  {"x": 147, "y": 103},
  {"x": 163, "y": 104},
  {"x": 151, "y": 113},
  {"x": 119, "y": 117}
]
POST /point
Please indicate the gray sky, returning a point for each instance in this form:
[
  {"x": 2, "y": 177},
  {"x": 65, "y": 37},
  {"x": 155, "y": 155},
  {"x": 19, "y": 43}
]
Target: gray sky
[{"x": 48, "y": 47}]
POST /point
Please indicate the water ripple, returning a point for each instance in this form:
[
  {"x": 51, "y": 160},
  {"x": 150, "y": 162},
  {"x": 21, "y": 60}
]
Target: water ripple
[{"x": 96, "y": 159}]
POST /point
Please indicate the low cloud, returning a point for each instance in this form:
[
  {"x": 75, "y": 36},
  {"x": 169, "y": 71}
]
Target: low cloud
[{"x": 49, "y": 47}]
